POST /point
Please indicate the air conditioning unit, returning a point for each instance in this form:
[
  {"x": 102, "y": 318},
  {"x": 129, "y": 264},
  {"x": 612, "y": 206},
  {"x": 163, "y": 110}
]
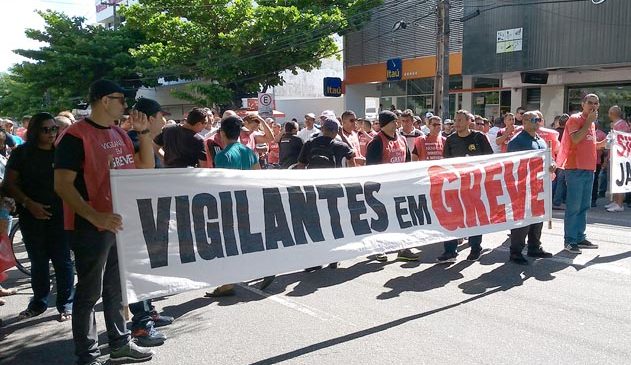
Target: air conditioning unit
[{"x": 534, "y": 77}]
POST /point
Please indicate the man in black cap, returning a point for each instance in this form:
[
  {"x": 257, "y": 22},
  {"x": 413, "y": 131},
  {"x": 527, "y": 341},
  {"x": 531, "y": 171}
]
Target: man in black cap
[
  {"x": 156, "y": 115},
  {"x": 181, "y": 144},
  {"x": 389, "y": 147},
  {"x": 290, "y": 145},
  {"x": 86, "y": 152}
]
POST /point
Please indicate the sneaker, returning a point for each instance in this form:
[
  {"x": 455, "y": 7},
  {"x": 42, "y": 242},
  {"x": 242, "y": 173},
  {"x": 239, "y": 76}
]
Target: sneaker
[
  {"x": 95, "y": 362},
  {"x": 615, "y": 208},
  {"x": 541, "y": 254},
  {"x": 160, "y": 320},
  {"x": 572, "y": 249},
  {"x": 610, "y": 205},
  {"x": 146, "y": 334},
  {"x": 131, "y": 353},
  {"x": 474, "y": 255},
  {"x": 407, "y": 255},
  {"x": 587, "y": 244},
  {"x": 29, "y": 313},
  {"x": 518, "y": 259},
  {"x": 447, "y": 258},
  {"x": 382, "y": 257}
]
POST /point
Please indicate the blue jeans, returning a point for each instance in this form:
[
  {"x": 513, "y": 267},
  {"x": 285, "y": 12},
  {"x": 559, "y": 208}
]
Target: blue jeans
[
  {"x": 475, "y": 242},
  {"x": 579, "y": 194},
  {"x": 45, "y": 241},
  {"x": 560, "y": 188}
]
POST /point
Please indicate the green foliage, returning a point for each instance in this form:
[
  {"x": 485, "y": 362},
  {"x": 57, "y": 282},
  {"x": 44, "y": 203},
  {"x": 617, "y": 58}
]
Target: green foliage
[
  {"x": 16, "y": 99},
  {"x": 234, "y": 48},
  {"x": 74, "y": 54}
]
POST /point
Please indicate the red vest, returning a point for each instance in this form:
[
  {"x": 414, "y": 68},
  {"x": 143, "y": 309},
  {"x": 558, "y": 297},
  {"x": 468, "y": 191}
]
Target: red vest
[
  {"x": 103, "y": 149},
  {"x": 429, "y": 147},
  {"x": 392, "y": 151}
]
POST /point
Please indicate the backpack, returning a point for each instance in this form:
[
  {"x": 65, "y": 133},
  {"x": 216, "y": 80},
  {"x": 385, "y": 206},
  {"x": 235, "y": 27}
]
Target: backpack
[{"x": 322, "y": 156}]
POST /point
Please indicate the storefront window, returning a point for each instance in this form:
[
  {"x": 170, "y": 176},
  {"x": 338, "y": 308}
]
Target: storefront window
[
  {"x": 487, "y": 104},
  {"x": 393, "y": 88},
  {"x": 420, "y": 104},
  {"x": 609, "y": 96}
]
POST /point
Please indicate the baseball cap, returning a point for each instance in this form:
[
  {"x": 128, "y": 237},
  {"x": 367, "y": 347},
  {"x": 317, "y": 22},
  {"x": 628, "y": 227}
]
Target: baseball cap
[
  {"x": 328, "y": 114},
  {"x": 429, "y": 115},
  {"x": 149, "y": 107},
  {"x": 448, "y": 121},
  {"x": 564, "y": 117},
  {"x": 310, "y": 115},
  {"x": 331, "y": 124},
  {"x": 101, "y": 88},
  {"x": 386, "y": 117}
]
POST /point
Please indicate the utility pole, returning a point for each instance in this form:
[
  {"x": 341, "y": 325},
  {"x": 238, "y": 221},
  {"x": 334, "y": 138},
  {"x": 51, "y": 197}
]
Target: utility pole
[
  {"x": 115, "y": 4},
  {"x": 441, "y": 81}
]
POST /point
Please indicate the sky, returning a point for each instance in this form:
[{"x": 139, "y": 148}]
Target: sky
[{"x": 18, "y": 15}]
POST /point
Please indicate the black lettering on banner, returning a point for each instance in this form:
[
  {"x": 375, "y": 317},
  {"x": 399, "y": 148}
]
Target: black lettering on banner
[
  {"x": 304, "y": 214},
  {"x": 276, "y": 226},
  {"x": 184, "y": 234},
  {"x": 400, "y": 211},
  {"x": 156, "y": 232},
  {"x": 332, "y": 193},
  {"x": 204, "y": 229},
  {"x": 356, "y": 209},
  {"x": 419, "y": 212},
  {"x": 625, "y": 176},
  {"x": 381, "y": 223},
  {"x": 250, "y": 242},
  {"x": 227, "y": 224}
]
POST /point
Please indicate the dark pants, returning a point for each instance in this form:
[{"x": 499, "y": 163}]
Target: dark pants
[
  {"x": 595, "y": 185},
  {"x": 475, "y": 242},
  {"x": 97, "y": 271},
  {"x": 141, "y": 311},
  {"x": 518, "y": 238},
  {"x": 45, "y": 241},
  {"x": 560, "y": 190}
]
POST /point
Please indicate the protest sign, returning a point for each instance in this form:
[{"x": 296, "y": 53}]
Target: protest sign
[
  {"x": 186, "y": 229},
  {"x": 620, "y": 171}
]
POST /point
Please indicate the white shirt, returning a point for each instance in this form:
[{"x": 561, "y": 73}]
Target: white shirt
[
  {"x": 492, "y": 135},
  {"x": 306, "y": 134}
]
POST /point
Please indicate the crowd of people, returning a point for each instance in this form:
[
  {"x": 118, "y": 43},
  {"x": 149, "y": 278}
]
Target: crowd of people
[{"x": 58, "y": 175}]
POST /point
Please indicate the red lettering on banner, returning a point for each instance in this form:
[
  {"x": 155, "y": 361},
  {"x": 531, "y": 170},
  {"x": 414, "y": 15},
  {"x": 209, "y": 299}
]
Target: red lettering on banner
[
  {"x": 623, "y": 145},
  {"x": 493, "y": 188},
  {"x": 538, "y": 208},
  {"x": 471, "y": 195},
  {"x": 449, "y": 212},
  {"x": 516, "y": 188}
]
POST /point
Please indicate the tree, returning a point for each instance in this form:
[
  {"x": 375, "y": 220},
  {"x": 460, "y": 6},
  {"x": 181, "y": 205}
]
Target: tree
[
  {"x": 74, "y": 55},
  {"x": 233, "y": 48},
  {"x": 16, "y": 99}
]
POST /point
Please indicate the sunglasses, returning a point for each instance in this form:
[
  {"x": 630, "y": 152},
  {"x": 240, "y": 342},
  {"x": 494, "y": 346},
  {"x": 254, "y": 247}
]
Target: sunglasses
[
  {"x": 436, "y": 124},
  {"x": 49, "y": 130},
  {"x": 535, "y": 120}
]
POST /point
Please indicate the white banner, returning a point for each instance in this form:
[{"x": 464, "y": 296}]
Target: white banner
[
  {"x": 620, "y": 167},
  {"x": 185, "y": 229}
]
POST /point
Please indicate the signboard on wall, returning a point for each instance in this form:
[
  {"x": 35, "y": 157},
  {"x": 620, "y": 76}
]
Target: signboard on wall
[
  {"x": 510, "y": 40},
  {"x": 332, "y": 86},
  {"x": 394, "y": 69}
]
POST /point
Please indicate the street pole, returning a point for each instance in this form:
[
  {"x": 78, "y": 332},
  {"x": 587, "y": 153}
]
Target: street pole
[
  {"x": 441, "y": 81},
  {"x": 115, "y": 5}
]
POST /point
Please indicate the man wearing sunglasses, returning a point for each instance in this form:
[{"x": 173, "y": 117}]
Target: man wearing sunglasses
[
  {"x": 578, "y": 158},
  {"x": 527, "y": 140}
]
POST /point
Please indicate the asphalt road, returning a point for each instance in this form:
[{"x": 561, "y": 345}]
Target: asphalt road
[{"x": 563, "y": 310}]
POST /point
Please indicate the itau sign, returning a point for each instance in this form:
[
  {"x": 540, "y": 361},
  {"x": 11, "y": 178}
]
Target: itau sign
[{"x": 193, "y": 228}]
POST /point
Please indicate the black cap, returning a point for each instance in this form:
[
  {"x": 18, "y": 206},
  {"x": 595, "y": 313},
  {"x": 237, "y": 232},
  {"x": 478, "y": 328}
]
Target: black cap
[
  {"x": 386, "y": 117},
  {"x": 101, "y": 88},
  {"x": 149, "y": 106}
]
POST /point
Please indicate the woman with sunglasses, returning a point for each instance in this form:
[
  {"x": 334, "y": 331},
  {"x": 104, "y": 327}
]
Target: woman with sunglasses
[{"x": 29, "y": 180}]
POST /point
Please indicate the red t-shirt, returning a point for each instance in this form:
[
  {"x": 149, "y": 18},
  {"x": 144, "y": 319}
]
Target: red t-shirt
[
  {"x": 504, "y": 146},
  {"x": 582, "y": 155},
  {"x": 429, "y": 147},
  {"x": 364, "y": 138}
]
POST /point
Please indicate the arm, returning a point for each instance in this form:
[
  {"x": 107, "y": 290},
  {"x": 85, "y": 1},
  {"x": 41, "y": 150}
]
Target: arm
[
  {"x": 502, "y": 136},
  {"x": 579, "y": 135},
  {"x": 144, "y": 158},
  {"x": 268, "y": 137},
  {"x": 11, "y": 184},
  {"x": 64, "y": 187},
  {"x": 373, "y": 152}
]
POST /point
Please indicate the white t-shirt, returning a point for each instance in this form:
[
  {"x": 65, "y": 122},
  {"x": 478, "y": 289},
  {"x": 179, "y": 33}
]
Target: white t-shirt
[
  {"x": 492, "y": 135},
  {"x": 306, "y": 134}
]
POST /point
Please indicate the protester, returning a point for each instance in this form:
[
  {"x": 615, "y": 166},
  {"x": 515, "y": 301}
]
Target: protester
[
  {"x": 601, "y": 157},
  {"x": 350, "y": 136},
  {"x": 325, "y": 151},
  {"x": 21, "y": 131},
  {"x": 559, "y": 187},
  {"x": 519, "y": 115},
  {"x": 365, "y": 135},
  {"x": 464, "y": 142},
  {"x": 181, "y": 145},
  {"x": 289, "y": 146},
  {"x": 527, "y": 140},
  {"x": 620, "y": 125},
  {"x": 309, "y": 129},
  {"x": 478, "y": 121},
  {"x": 425, "y": 127},
  {"x": 29, "y": 180},
  {"x": 407, "y": 129},
  {"x": 578, "y": 159},
  {"x": 273, "y": 156},
  {"x": 448, "y": 127},
  {"x": 83, "y": 158},
  {"x": 389, "y": 147},
  {"x": 492, "y": 134},
  {"x": 256, "y": 131},
  {"x": 509, "y": 131},
  {"x": 430, "y": 147},
  {"x": 62, "y": 122}
]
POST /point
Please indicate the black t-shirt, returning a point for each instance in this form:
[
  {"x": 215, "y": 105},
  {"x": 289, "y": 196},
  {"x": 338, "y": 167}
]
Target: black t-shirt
[
  {"x": 340, "y": 150},
  {"x": 182, "y": 147},
  {"x": 374, "y": 151},
  {"x": 36, "y": 178},
  {"x": 289, "y": 149},
  {"x": 475, "y": 144},
  {"x": 133, "y": 135}
]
